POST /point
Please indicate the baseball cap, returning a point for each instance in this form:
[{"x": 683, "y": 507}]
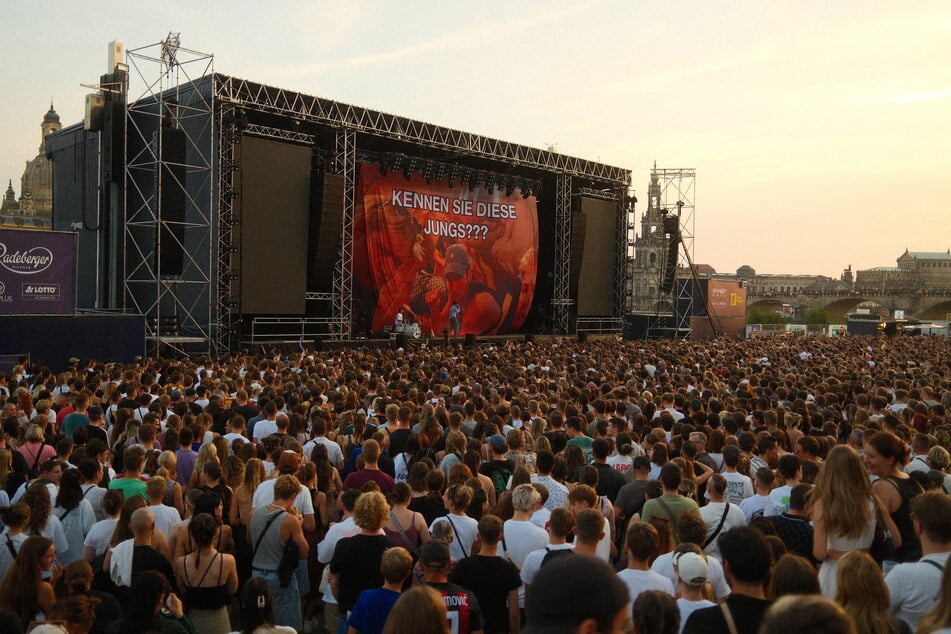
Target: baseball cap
[
  {"x": 457, "y": 260},
  {"x": 288, "y": 462},
  {"x": 434, "y": 554},
  {"x": 692, "y": 569},
  {"x": 497, "y": 441}
]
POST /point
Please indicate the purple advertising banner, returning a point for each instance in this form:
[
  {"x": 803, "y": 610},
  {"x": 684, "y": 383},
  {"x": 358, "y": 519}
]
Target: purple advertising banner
[{"x": 37, "y": 272}]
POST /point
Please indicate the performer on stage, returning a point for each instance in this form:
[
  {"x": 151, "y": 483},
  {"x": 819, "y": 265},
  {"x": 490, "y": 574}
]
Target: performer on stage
[
  {"x": 398, "y": 326},
  {"x": 454, "y": 311}
]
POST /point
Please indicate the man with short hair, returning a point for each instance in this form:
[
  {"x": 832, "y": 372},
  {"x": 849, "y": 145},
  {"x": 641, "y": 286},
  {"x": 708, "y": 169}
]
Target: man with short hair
[
  {"x": 462, "y": 606},
  {"x": 746, "y": 562},
  {"x": 492, "y": 578},
  {"x": 574, "y": 428},
  {"x": 500, "y": 468},
  {"x": 790, "y": 468},
  {"x": 738, "y": 486},
  {"x": 79, "y": 417},
  {"x": 585, "y": 497},
  {"x": 334, "y": 453},
  {"x": 755, "y": 506},
  {"x": 166, "y": 517},
  {"x": 719, "y": 515},
  {"x": 560, "y": 525},
  {"x": 699, "y": 440},
  {"x": 670, "y": 504},
  {"x": 370, "y": 470},
  {"x": 610, "y": 480},
  {"x": 630, "y": 499},
  {"x": 131, "y": 482},
  {"x": 793, "y": 526},
  {"x": 130, "y": 558},
  {"x": 641, "y": 546},
  {"x": 346, "y": 527},
  {"x": 915, "y": 587},
  {"x": 557, "y": 492},
  {"x": 373, "y": 606}
]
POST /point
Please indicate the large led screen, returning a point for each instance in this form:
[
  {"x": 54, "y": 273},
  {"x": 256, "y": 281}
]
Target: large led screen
[{"x": 421, "y": 246}]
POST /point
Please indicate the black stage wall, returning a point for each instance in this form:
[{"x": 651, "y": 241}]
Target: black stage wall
[
  {"x": 52, "y": 339},
  {"x": 596, "y": 277},
  {"x": 275, "y": 209}
]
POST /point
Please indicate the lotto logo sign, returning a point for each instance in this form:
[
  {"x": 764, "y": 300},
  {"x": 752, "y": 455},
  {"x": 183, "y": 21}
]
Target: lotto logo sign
[{"x": 41, "y": 292}]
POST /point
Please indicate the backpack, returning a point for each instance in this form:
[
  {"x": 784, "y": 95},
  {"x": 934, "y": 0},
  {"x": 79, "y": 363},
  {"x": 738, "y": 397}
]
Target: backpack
[
  {"x": 554, "y": 554},
  {"x": 34, "y": 470}
]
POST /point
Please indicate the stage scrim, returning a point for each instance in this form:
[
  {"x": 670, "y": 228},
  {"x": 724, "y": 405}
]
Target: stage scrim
[{"x": 421, "y": 245}]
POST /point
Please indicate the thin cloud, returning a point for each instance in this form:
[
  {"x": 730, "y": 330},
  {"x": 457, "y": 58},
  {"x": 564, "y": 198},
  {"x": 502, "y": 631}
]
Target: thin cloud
[
  {"x": 477, "y": 34},
  {"x": 912, "y": 97}
]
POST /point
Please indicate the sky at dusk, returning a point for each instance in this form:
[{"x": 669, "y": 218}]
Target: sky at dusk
[{"x": 820, "y": 131}]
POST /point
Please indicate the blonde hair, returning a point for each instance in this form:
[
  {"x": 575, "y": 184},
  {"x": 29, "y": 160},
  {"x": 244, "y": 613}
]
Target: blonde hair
[
  {"x": 861, "y": 591},
  {"x": 843, "y": 489},
  {"x": 371, "y": 510}
]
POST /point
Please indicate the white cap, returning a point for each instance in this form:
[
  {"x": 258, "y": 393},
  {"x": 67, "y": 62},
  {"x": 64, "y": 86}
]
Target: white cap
[{"x": 692, "y": 569}]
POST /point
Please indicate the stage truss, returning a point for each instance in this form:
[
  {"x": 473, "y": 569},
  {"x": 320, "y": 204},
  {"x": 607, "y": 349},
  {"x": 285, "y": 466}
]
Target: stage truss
[
  {"x": 233, "y": 96},
  {"x": 165, "y": 80}
]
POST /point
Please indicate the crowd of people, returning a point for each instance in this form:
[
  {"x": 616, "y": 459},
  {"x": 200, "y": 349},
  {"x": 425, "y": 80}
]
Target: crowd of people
[{"x": 666, "y": 486}]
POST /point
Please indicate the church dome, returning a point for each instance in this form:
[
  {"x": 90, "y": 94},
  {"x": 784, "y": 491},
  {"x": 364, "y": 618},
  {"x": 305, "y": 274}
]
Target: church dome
[
  {"x": 746, "y": 271},
  {"x": 51, "y": 116}
]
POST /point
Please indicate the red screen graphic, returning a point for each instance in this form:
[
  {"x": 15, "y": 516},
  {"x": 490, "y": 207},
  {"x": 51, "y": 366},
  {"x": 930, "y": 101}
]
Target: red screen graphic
[{"x": 419, "y": 247}]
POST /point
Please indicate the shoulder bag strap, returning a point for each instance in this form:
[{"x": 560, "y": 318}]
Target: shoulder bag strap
[
  {"x": 458, "y": 537},
  {"x": 670, "y": 514},
  {"x": 13, "y": 552},
  {"x": 264, "y": 532},
  {"x": 924, "y": 561},
  {"x": 403, "y": 534},
  {"x": 728, "y": 617},
  {"x": 713, "y": 535},
  {"x": 63, "y": 516}
]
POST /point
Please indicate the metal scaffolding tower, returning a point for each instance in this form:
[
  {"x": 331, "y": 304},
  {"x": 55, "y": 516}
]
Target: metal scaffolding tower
[{"x": 165, "y": 94}]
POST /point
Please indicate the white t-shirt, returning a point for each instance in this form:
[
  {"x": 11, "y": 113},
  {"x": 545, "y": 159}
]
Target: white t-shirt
[
  {"x": 264, "y": 428},
  {"x": 465, "y": 529},
  {"x": 711, "y": 514},
  {"x": 738, "y": 487},
  {"x": 265, "y": 495},
  {"x": 688, "y": 607},
  {"x": 99, "y": 535},
  {"x": 638, "y": 581},
  {"x": 533, "y": 561},
  {"x": 914, "y": 587},
  {"x": 334, "y": 453},
  {"x": 753, "y": 506},
  {"x": 166, "y": 517},
  {"x": 778, "y": 501}
]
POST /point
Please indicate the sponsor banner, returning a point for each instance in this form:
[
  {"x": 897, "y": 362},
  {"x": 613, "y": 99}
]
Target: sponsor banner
[
  {"x": 726, "y": 298},
  {"x": 422, "y": 246},
  {"x": 37, "y": 272}
]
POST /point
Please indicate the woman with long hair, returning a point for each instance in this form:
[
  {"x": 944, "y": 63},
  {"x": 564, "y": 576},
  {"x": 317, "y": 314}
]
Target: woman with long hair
[
  {"x": 885, "y": 455},
  {"x": 843, "y": 511},
  {"x": 206, "y": 453},
  {"x": 10, "y": 480},
  {"x": 257, "y": 609},
  {"x": 15, "y": 518},
  {"x": 75, "y": 514},
  {"x": 42, "y": 520},
  {"x": 465, "y": 528},
  {"x": 23, "y": 590},
  {"x": 168, "y": 469},
  {"x": 405, "y": 527},
  {"x": 862, "y": 592},
  {"x": 207, "y": 579}
]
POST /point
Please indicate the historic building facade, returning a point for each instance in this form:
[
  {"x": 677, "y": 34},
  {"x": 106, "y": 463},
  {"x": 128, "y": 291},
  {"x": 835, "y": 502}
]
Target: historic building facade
[{"x": 34, "y": 208}]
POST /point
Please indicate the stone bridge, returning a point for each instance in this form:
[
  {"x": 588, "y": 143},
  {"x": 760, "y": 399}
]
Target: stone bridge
[{"x": 928, "y": 304}]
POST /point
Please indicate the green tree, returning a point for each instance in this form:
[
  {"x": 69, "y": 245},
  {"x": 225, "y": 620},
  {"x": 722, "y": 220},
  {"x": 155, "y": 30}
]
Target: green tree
[
  {"x": 817, "y": 316},
  {"x": 759, "y": 315}
]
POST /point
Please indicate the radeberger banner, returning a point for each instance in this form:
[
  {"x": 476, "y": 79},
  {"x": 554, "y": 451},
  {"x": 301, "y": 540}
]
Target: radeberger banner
[
  {"x": 37, "y": 272},
  {"x": 419, "y": 247}
]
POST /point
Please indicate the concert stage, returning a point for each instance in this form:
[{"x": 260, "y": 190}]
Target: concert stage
[{"x": 236, "y": 212}]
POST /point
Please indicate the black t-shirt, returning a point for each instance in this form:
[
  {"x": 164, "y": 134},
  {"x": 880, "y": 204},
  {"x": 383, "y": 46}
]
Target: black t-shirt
[
  {"x": 796, "y": 533},
  {"x": 748, "y": 613},
  {"x": 398, "y": 438},
  {"x": 430, "y": 507},
  {"x": 490, "y": 579},
  {"x": 356, "y": 561},
  {"x": 107, "y": 611},
  {"x": 97, "y": 432},
  {"x": 147, "y": 558},
  {"x": 558, "y": 440}
]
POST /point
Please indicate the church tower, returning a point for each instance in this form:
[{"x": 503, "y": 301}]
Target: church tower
[
  {"x": 36, "y": 186},
  {"x": 650, "y": 248}
]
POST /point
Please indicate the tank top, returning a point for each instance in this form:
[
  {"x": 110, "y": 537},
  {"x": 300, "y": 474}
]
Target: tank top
[
  {"x": 910, "y": 549},
  {"x": 209, "y": 597},
  {"x": 271, "y": 548}
]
